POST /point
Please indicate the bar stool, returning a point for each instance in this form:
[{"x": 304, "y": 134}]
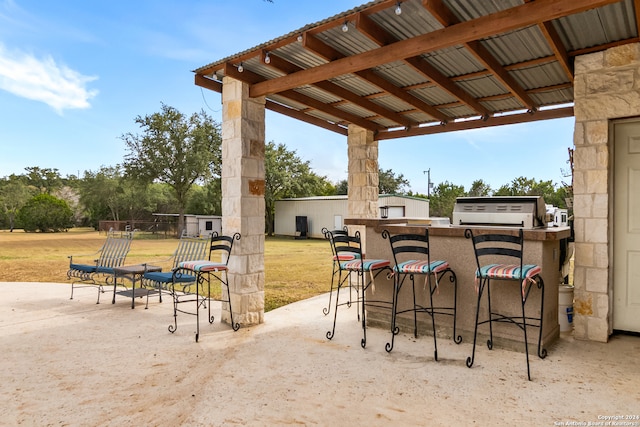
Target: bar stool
[
  {"x": 508, "y": 250},
  {"x": 366, "y": 271},
  {"x": 412, "y": 259},
  {"x": 336, "y": 266},
  {"x": 205, "y": 272}
]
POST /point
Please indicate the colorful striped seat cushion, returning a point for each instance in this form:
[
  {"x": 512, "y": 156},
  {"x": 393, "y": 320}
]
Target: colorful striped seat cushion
[
  {"x": 167, "y": 277},
  {"x": 364, "y": 265},
  {"x": 421, "y": 267},
  {"x": 509, "y": 272},
  {"x": 202, "y": 266},
  {"x": 345, "y": 257}
]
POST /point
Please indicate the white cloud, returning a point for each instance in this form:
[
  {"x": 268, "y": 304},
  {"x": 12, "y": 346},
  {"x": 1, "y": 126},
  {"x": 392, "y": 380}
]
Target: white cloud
[{"x": 42, "y": 79}]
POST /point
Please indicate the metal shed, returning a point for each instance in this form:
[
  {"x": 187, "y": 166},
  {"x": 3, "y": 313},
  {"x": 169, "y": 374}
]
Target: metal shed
[{"x": 315, "y": 213}]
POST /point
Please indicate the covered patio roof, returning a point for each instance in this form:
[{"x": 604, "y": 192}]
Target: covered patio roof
[{"x": 417, "y": 67}]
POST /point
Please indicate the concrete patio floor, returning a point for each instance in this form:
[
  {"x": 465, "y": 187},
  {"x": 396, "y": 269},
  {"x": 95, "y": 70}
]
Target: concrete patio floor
[{"x": 72, "y": 362}]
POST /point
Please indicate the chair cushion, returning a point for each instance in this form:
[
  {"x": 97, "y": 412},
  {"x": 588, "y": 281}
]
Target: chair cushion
[
  {"x": 345, "y": 257},
  {"x": 104, "y": 270},
  {"x": 508, "y": 271},
  {"x": 365, "y": 265},
  {"x": 167, "y": 277},
  {"x": 421, "y": 267},
  {"x": 83, "y": 267},
  {"x": 203, "y": 266}
]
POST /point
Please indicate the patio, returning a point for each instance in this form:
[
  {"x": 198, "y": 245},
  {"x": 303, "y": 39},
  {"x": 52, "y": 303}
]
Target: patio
[{"x": 77, "y": 363}]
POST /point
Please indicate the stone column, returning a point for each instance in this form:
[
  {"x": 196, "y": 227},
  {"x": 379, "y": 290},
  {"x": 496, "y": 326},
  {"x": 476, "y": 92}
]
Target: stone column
[
  {"x": 363, "y": 173},
  {"x": 363, "y": 178},
  {"x": 605, "y": 87},
  {"x": 243, "y": 204}
]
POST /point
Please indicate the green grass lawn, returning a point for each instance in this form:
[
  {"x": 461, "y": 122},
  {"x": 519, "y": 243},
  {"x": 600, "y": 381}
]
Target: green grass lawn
[{"x": 294, "y": 269}]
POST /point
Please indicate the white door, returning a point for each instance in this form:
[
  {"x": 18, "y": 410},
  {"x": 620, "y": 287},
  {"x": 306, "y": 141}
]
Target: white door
[
  {"x": 337, "y": 222},
  {"x": 626, "y": 227}
]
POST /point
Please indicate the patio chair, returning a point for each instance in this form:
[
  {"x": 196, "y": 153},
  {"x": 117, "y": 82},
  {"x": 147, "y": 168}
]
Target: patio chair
[
  {"x": 336, "y": 267},
  {"x": 112, "y": 254},
  {"x": 412, "y": 262},
  {"x": 366, "y": 271},
  {"x": 499, "y": 257},
  {"x": 189, "y": 248},
  {"x": 204, "y": 271}
]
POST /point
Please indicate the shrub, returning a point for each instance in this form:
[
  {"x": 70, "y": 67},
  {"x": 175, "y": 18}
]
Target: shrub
[{"x": 45, "y": 213}]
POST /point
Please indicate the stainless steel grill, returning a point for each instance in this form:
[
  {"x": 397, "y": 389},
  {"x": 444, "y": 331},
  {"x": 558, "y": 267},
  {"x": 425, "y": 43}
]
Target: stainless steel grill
[{"x": 504, "y": 211}]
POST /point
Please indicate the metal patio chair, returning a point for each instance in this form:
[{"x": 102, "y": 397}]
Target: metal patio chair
[
  {"x": 499, "y": 257},
  {"x": 112, "y": 254},
  {"x": 412, "y": 262},
  {"x": 189, "y": 248}
]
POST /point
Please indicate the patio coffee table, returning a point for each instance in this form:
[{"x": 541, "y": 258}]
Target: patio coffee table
[{"x": 133, "y": 273}]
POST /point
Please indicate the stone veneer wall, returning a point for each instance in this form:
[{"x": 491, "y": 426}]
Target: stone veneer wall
[
  {"x": 606, "y": 86},
  {"x": 243, "y": 204}
]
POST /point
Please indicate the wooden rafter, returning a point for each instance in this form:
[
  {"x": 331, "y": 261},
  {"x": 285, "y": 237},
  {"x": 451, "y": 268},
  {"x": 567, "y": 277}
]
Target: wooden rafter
[{"x": 463, "y": 32}]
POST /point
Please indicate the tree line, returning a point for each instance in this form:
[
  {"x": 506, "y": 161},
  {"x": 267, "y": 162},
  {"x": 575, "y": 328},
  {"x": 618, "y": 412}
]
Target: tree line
[{"x": 174, "y": 165}]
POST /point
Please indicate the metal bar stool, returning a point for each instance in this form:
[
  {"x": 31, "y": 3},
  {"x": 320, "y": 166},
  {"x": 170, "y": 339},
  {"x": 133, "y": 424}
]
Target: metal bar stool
[
  {"x": 336, "y": 267},
  {"x": 412, "y": 259},
  {"x": 205, "y": 272},
  {"x": 508, "y": 250},
  {"x": 366, "y": 271}
]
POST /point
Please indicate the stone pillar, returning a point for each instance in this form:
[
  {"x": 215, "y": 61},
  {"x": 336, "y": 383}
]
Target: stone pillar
[
  {"x": 606, "y": 87},
  {"x": 363, "y": 173},
  {"x": 243, "y": 204},
  {"x": 363, "y": 178}
]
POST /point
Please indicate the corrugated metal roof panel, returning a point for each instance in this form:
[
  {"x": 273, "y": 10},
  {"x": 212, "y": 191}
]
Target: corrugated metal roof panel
[
  {"x": 543, "y": 75},
  {"x": 500, "y": 105},
  {"x": 356, "y": 85},
  {"x": 433, "y": 95},
  {"x": 400, "y": 74},
  {"x": 392, "y": 103},
  {"x": 466, "y": 10},
  {"x": 518, "y": 46},
  {"x": 599, "y": 26},
  {"x": 454, "y": 61},
  {"x": 413, "y": 21},
  {"x": 482, "y": 86},
  {"x": 554, "y": 97}
]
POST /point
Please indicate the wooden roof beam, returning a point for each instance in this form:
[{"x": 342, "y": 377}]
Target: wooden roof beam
[
  {"x": 441, "y": 12},
  {"x": 326, "y": 51},
  {"x": 476, "y": 124},
  {"x": 381, "y": 36},
  {"x": 299, "y": 115},
  {"x": 485, "y": 26},
  {"x": 250, "y": 77},
  {"x": 287, "y": 67}
]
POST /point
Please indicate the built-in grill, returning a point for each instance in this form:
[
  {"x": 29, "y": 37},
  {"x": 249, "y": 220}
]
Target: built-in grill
[{"x": 504, "y": 211}]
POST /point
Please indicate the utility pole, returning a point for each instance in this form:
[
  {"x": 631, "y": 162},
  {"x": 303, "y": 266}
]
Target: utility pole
[{"x": 428, "y": 172}]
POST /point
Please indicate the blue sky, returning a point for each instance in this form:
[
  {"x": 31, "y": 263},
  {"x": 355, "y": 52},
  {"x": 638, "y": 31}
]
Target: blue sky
[{"x": 74, "y": 75}]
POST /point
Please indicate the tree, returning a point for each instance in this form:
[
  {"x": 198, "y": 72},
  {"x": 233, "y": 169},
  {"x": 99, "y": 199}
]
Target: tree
[
  {"x": 479, "y": 188},
  {"x": 443, "y": 199},
  {"x": 522, "y": 186},
  {"x": 286, "y": 175},
  {"x": 44, "y": 179},
  {"x": 14, "y": 194},
  {"x": 176, "y": 150},
  {"x": 45, "y": 213},
  {"x": 388, "y": 183}
]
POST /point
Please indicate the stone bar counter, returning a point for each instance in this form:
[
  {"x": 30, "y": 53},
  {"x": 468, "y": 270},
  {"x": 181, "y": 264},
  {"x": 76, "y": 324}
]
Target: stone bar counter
[{"x": 541, "y": 247}]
